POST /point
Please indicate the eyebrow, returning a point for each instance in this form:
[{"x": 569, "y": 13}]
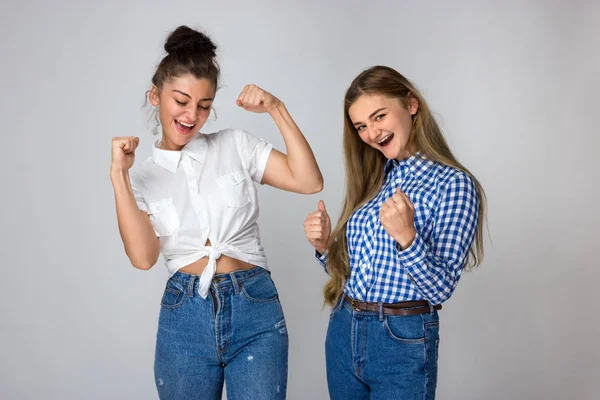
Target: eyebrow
[
  {"x": 372, "y": 115},
  {"x": 187, "y": 95}
]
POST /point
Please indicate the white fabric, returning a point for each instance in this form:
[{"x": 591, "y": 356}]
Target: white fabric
[{"x": 205, "y": 191}]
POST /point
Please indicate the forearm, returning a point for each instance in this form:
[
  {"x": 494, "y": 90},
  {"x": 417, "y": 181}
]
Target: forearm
[
  {"x": 139, "y": 239},
  {"x": 300, "y": 158},
  {"x": 436, "y": 276}
]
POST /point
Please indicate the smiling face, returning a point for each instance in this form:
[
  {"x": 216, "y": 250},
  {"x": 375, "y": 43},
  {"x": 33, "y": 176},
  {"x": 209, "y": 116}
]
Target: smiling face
[
  {"x": 384, "y": 123},
  {"x": 184, "y": 104}
]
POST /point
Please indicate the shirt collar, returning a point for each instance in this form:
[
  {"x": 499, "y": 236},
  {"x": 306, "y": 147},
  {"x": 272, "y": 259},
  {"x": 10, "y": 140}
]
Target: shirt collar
[
  {"x": 169, "y": 159},
  {"x": 417, "y": 164}
]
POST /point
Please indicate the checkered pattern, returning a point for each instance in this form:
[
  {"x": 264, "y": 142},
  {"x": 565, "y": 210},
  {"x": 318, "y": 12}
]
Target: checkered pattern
[{"x": 446, "y": 210}]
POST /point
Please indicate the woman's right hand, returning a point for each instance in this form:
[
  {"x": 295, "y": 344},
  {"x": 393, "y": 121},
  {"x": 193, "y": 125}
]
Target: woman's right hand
[
  {"x": 317, "y": 228},
  {"x": 123, "y": 152}
]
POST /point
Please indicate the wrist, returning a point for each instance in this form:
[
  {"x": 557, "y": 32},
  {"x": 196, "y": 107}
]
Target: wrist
[
  {"x": 117, "y": 173},
  {"x": 406, "y": 239},
  {"x": 278, "y": 110}
]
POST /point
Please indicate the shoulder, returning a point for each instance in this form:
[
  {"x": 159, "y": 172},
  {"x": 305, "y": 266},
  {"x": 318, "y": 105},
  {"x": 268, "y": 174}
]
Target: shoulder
[
  {"x": 439, "y": 173},
  {"x": 456, "y": 185},
  {"x": 224, "y": 134},
  {"x": 444, "y": 179},
  {"x": 241, "y": 138},
  {"x": 450, "y": 174},
  {"x": 223, "y": 137}
]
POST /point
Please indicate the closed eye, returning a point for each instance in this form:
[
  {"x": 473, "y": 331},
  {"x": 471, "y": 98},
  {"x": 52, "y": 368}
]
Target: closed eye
[{"x": 180, "y": 103}]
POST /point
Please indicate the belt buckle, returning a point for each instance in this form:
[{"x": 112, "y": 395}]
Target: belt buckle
[{"x": 353, "y": 306}]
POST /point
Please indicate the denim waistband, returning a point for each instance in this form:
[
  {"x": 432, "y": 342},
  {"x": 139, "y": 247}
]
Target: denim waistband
[{"x": 219, "y": 281}]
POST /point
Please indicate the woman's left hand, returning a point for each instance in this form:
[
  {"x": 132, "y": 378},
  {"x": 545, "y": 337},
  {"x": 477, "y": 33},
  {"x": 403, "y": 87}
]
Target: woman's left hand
[
  {"x": 257, "y": 100},
  {"x": 397, "y": 215}
]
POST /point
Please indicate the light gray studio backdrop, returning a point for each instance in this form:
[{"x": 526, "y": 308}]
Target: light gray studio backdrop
[{"x": 515, "y": 87}]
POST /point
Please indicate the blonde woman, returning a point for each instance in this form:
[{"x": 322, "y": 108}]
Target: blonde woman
[{"x": 411, "y": 221}]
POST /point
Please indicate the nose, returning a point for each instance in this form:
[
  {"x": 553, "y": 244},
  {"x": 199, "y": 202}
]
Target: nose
[
  {"x": 373, "y": 132},
  {"x": 192, "y": 113}
]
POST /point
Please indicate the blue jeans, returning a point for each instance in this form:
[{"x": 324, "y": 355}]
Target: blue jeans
[
  {"x": 373, "y": 356},
  {"x": 236, "y": 335}
]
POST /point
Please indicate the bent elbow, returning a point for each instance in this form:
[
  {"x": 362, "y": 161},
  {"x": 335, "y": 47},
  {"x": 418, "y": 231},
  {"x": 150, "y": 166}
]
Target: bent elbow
[
  {"x": 319, "y": 186},
  {"x": 316, "y": 187},
  {"x": 143, "y": 264},
  {"x": 143, "y": 257}
]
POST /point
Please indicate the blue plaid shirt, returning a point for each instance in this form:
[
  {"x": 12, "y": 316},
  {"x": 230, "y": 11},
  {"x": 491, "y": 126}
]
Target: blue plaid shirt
[{"x": 446, "y": 210}]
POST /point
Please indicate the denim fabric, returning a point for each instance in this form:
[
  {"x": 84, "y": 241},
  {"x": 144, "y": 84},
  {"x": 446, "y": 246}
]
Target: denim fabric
[
  {"x": 377, "y": 357},
  {"x": 236, "y": 335}
]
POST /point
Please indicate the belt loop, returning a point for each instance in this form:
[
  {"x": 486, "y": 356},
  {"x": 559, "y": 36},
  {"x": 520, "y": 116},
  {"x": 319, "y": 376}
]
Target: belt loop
[
  {"x": 190, "y": 286},
  {"x": 234, "y": 283},
  {"x": 431, "y": 309},
  {"x": 380, "y": 311}
]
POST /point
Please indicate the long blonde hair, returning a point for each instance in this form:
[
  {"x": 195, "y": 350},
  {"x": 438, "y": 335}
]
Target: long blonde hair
[{"x": 365, "y": 167}]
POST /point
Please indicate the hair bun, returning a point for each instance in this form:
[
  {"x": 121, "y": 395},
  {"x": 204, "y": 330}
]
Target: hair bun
[{"x": 185, "y": 39}]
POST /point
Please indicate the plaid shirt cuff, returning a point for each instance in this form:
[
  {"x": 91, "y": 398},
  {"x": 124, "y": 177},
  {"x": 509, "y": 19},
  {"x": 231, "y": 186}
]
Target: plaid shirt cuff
[
  {"x": 413, "y": 256},
  {"x": 322, "y": 258}
]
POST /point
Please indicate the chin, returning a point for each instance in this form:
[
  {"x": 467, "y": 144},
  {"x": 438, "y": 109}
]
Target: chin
[{"x": 391, "y": 154}]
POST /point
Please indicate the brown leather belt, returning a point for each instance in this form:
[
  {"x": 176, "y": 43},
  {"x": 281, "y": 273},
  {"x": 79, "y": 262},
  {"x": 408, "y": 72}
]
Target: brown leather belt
[{"x": 403, "y": 308}]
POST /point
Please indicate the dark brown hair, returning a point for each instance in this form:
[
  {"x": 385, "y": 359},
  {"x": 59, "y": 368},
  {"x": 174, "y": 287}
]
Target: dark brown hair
[{"x": 188, "y": 52}]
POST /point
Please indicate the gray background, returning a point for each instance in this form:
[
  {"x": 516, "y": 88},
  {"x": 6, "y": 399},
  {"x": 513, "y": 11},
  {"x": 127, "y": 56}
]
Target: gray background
[{"x": 515, "y": 86}]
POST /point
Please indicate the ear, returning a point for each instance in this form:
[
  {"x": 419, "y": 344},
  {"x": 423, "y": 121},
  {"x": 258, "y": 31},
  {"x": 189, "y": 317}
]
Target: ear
[
  {"x": 413, "y": 104},
  {"x": 153, "y": 96}
]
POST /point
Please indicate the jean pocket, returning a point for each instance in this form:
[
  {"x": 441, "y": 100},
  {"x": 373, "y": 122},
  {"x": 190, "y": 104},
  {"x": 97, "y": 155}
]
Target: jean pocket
[
  {"x": 173, "y": 296},
  {"x": 260, "y": 290},
  {"x": 405, "y": 329},
  {"x": 337, "y": 306},
  {"x": 163, "y": 216},
  {"x": 234, "y": 189}
]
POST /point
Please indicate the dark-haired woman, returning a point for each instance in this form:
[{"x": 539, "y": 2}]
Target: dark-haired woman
[{"x": 195, "y": 201}]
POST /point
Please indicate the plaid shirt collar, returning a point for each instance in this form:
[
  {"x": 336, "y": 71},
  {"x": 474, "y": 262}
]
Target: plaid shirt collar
[{"x": 417, "y": 164}]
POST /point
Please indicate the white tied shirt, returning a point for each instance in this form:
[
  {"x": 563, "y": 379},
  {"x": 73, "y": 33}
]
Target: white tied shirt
[{"x": 205, "y": 191}]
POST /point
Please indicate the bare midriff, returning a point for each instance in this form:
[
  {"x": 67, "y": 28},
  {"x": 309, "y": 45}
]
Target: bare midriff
[{"x": 225, "y": 265}]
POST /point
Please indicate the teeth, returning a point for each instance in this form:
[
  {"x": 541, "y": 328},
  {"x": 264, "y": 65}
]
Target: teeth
[
  {"x": 184, "y": 124},
  {"x": 384, "y": 139}
]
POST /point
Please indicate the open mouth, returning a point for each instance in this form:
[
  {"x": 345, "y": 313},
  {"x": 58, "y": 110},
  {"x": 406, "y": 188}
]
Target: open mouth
[
  {"x": 386, "y": 140},
  {"x": 184, "y": 128}
]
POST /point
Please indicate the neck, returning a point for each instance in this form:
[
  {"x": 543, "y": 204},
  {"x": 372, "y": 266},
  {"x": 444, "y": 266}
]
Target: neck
[
  {"x": 406, "y": 153},
  {"x": 165, "y": 144}
]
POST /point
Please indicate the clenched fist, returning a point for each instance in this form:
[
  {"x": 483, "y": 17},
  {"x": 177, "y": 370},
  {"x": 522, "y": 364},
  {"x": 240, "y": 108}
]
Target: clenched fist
[
  {"x": 397, "y": 215},
  {"x": 257, "y": 100},
  {"x": 317, "y": 228},
  {"x": 123, "y": 152}
]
